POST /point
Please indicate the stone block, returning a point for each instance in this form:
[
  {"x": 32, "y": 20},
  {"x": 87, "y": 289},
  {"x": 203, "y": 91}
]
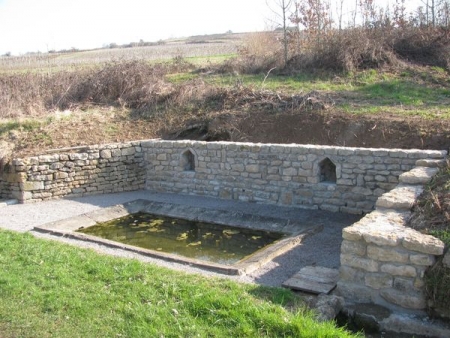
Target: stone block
[
  {"x": 352, "y": 233},
  {"x": 16, "y": 177},
  {"x": 128, "y": 151},
  {"x": 350, "y": 274},
  {"x": 431, "y": 163},
  {"x": 403, "y": 284},
  {"x": 60, "y": 175},
  {"x": 400, "y": 198},
  {"x": 31, "y": 186},
  {"x": 422, "y": 259},
  {"x": 105, "y": 153},
  {"x": 78, "y": 156},
  {"x": 381, "y": 237},
  {"x": 238, "y": 167},
  {"x": 161, "y": 157},
  {"x": 418, "y": 175},
  {"x": 252, "y": 168},
  {"x": 410, "y": 300},
  {"x": 399, "y": 270},
  {"x": 423, "y": 243},
  {"x": 378, "y": 280},
  {"x": 48, "y": 158},
  {"x": 359, "y": 262},
  {"x": 116, "y": 153},
  {"x": 286, "y": 198},
  {"x": 22, "y": 195},
  {"x": 386, "y": 254},
  {"x": 355, "y": 292},
  {"x": 358, "y": 248}
]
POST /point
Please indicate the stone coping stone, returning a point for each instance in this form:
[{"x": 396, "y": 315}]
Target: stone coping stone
[
  {"x": 431, "y": 163},
  {"x": 386, "y": 228},
  {"x": 294, "y": 232},
  {"x": 401, "y": 197},
  {"x": 418, "y": 175}
]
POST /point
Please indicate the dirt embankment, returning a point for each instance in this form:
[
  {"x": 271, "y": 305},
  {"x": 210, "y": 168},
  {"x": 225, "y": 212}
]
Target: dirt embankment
[
  {"x": 328, "y": 128},
  {"x": 302, "y": 127}
]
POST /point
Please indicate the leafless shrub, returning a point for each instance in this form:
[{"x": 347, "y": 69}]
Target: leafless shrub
[
  {"x": 132, "y": 84},
  {"x": 260, "y": 52},
  {"x": 377, "y": 46},
  {"x": 425, "y": 45}
]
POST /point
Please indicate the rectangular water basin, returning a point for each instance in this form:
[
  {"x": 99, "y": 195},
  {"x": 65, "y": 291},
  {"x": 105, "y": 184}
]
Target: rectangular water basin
[
  {"x": 198, "y": 240},
  {"x": 198, "y": 237}
]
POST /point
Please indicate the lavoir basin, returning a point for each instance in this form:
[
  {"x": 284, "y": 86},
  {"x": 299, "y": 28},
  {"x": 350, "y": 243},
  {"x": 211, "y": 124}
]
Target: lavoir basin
[{"x": 221, "y": 241}]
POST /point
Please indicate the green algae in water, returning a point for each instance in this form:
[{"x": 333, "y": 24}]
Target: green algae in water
[{"x": 199, "y": 240}]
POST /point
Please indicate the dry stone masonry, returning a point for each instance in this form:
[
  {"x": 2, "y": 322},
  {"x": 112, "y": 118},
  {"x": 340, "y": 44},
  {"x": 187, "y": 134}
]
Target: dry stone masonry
[
  {"x": 75, "y": 172},
  {"x": 306, "y": 176},
  {"x": 382, "y": 260}
]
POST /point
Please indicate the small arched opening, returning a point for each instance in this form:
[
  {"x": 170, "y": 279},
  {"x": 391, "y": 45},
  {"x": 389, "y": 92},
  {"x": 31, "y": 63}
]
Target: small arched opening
[
  {"x": 327, "y": 171},
  {"x": 188, "y": 160}
]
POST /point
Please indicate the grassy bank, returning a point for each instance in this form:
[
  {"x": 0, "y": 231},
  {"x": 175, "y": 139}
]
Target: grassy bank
[{"x": 52, "y": 290}]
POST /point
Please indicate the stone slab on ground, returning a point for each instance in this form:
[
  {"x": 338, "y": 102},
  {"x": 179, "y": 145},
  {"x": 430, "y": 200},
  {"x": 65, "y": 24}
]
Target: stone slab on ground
[
  {"x": 6, "y": 202},
  {"x": 313, "y": 279}
]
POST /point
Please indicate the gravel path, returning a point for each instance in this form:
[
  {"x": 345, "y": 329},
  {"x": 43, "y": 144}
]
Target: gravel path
[{"x": 321, "y": 249}]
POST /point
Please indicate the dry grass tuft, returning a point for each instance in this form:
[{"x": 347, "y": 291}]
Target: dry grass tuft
[{"x": 131, "y": 84}]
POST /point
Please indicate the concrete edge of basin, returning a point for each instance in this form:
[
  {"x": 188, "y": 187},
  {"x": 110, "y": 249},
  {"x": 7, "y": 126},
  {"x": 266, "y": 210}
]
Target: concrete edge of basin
[{"x": 296, "y": 234}]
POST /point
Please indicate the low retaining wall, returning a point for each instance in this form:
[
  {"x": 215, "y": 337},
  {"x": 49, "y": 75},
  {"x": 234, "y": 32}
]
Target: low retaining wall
[
  {"x": 324, "y": 177},
  {"x": 320, "y": 177},
  {"x": 382, "y": 260},
  {"x": 76, "y": 172}
]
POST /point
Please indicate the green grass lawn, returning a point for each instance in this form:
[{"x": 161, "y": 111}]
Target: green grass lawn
[{"x": 49, "y": 289}]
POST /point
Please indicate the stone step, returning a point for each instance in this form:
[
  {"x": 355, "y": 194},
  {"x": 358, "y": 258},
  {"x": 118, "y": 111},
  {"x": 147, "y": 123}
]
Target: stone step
[
  {"x": 313, "y": 279},
  {"x": 431, "y": 163},
  {"x": 418, "y": 175},
  {"x": 402, "y": 197},
  {"x": 5, "y": 203}
]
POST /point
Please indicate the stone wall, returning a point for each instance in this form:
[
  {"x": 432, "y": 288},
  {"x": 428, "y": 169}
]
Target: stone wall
[
  {"x": 319, "y": 177},
  {"x": 76, "y": 172},
  {"x": 329, "y": 178},
  {"x": 4, "y": 186},
  {"x": 382, "y": 260}
]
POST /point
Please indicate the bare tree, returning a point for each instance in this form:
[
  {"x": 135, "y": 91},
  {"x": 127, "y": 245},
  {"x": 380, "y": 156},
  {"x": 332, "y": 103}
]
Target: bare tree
[
  {"x": 340, "y": 12},
  {"x": 368, "y": 11},
  {"x": 400, "y": 13},
  {"x": 437, "y": 12},
  {"x": 282, "y": 9},
  {"x": 314, "y": 16}
]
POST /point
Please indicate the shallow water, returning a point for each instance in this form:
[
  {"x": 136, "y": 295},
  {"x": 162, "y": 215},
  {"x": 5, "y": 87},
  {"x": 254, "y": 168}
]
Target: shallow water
[{"x": 199, "y": 240}]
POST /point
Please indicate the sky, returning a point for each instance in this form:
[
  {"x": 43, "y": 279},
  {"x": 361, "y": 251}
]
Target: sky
[{"x": 43, "y": 25}]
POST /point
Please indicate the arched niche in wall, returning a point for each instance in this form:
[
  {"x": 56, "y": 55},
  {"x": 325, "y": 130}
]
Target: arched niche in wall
[
  {"x": 188, "y": 160},
  {"x": 327, "y": 171}
]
